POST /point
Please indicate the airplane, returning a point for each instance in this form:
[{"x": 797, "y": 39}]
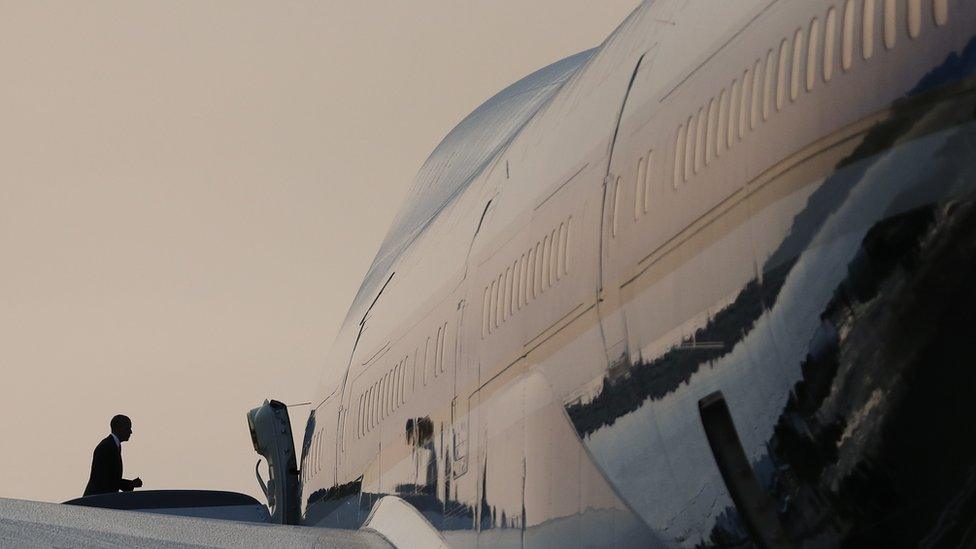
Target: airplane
[{"x": 707, "y": 284}]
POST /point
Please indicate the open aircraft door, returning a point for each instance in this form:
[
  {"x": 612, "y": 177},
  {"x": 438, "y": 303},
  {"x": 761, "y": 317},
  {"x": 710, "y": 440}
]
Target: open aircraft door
[
  {"x": 615, "y": 207},
  {"x": 464, "y": 381},
  {"x": 270, "y": 430}
]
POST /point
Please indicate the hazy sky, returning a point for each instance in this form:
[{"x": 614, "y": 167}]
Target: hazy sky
[{"x": 191, "y": 192}]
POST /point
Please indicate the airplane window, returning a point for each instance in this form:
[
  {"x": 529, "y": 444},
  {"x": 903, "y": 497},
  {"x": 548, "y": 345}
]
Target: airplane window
[
  {"x": 768, "y": 84},
  {"x": 516, "y": 283},
  {"x": 392, "y": 390},
  {"x": 756, "y": 94},
  {"x": 562, "y": 251},
  {"x": 733, "y": 113},
  {"x": 745, "y": 103},
  {"x": 639, "y": 187},
  {"x": 617, "y": 191},
  {"x": 554, "y": 254},
  {"x": 569, "y": 243},
  {"x": 813, "y": 47},
  {"x": 784, "y": 59},
  {"x": 315, "y": 452},
  {"x": 830, "y": 32},
  {"x": 403, "y": 381},
  {"x": 491, "y": 310},
  {"x": 890, "y": 23},
  {"x": 847, "y": 40},
  {"x": 797, "y": 57},
  {"x": 366, "y": 412},
  {"x": 867, "y": 31},
  {"x": 513, "y": 288},
  {"x": 503, "y": 292},
  {"x": 544, "y": 263},
  {"x": 647, "y": 196},
  {"x": 401, "y": 374},
  {"x": 709, "y": 140},
  {"x": 499, "y": 299},
  {"x": 523, "y": 280},
  {"x": 723, "y": 120},
  {"x": 537, "y": 271},
  {"x": 520, "y": 298},
  {"x": 396, "y": 389},
  {"x": 413, "y": 370},
  {"x": 484, "y": 312},
  {"x": 380, "y": 399},
  {"x": 362, "y": 415},
  {"x": 914, "y": 18},
  {"x": 700, "y": 140},
  {"x": 398, "y": 386},
  {"x": 690, "y": 149},
  {"x": 679, "y": 155},
  {"x": 530, "y": 268},
  {"x": 556, "y": 244},
  {"x": 384, "y": 395},
  {"x": 373, "y": 405},
  {"x": 940, "y": 12},
  {"x": 369, "y": 409},
  {"x": 440, "y": 354},
  {"x": 388, "y": 397},
  {"x": 427, "y": 357},
  {"x": 436, "y": 353},
  {"x": 507, "y": 293}
]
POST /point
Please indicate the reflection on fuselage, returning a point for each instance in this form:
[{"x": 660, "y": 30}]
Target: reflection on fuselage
[{"x": 769, "y": 199}]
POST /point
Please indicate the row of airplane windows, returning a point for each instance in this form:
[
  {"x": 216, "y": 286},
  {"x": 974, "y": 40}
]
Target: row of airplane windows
[
  {"x": 534, "y": 272},
  {"x": 699, "y": 141},
  {"x": 387, "y": 394},
  {"x": 751, "y": 99},
  {"x": 311, "y": 467}
]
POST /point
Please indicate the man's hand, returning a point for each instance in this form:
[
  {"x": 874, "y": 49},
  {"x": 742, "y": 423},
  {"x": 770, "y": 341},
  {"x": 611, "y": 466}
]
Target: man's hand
[{"x": 137, "y": 483}]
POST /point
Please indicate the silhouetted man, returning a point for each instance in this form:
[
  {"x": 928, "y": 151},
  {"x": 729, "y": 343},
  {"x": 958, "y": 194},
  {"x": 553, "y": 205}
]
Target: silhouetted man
[{"x": 106, "y": 469}]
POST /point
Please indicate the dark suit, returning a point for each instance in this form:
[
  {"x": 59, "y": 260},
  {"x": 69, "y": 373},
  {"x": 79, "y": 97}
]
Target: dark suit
[{"x": 106, "y": 470}]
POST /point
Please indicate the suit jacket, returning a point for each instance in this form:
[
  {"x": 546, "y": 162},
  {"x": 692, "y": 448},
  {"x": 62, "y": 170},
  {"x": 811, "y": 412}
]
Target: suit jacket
[{"x": 106, "y": 470}]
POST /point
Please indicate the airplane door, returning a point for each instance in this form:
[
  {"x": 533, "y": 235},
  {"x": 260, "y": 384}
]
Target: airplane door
[
  {"x": 464, "y": 381},
  {"x": 612, "y": 320}
]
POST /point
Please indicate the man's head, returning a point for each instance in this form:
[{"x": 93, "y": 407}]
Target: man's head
[{"x": 121, "y": 427}]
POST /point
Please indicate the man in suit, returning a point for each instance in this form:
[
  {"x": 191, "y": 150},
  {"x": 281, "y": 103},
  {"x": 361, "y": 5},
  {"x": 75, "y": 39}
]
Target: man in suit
[{"x": 106, "y": 469}]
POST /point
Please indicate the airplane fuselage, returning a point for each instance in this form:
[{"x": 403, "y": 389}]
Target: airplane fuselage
[{"x": 753, "y": 215}]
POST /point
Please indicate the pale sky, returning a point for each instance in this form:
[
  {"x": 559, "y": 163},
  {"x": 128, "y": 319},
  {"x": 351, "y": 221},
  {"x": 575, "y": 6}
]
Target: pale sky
[{"x": 190, "y": 194}]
